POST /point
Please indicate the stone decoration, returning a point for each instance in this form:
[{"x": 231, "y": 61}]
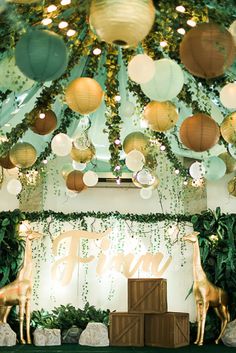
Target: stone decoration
[
  {"x": 47, "y": 337},
  {"x": 71, "y": 335},
  {"x": 229, "y": 336},
  {"x": 7, "y": 336},
  {"x": 95, "y": 335}
]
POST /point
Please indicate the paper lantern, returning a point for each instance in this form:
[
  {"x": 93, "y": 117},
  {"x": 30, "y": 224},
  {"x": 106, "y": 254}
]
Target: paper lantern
[
  {"x": 228, "y": 96},
  {"x": 230, "y": 162},
  {"x": 41, "y": 55},
  {"x": 134, "y": 160},
  {"x": 166, "y": 83},
  {"x": 197, "y": 170},
  {"x": 146, "y": 193},
  {"x": 6, "y": 163},
  {"x": 232, "y": 187},
  {"x": 74, "y": 181},
  {"x": 145, "y": 178},
  {"x": 66, "y": 170},
  {"x": 136, "y": 141},
  {"x": 207, "y": 50},
  {"x": 122, "y": 22},
  {"x": 141, "y": 68},
  {"x": 199, "y": 132},
  {"x": 228, "y": 128},
  {"x": 215, "y": 168},
  {"x": 232, "y": 30},
  {"x": 126, "y": 109},
  {"x": 61, "y": 145},
  {"x": 23, "y": 155},
  {"x": 11, "y": 78},
  {"x": 45, "y": 121},
  {"x": 82, "y": 156},
  {"x": 14, "y": 186},
  {"x": 84, "y": 95},
  {"x": 161, "y": 116},
  {"x": 90, "y": 178}
]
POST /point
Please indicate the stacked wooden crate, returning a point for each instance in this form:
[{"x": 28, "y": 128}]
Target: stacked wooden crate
[{"x": 148, "y": 322}]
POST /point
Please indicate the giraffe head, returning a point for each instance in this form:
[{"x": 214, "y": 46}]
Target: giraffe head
[{"x": 191, "y": 237}]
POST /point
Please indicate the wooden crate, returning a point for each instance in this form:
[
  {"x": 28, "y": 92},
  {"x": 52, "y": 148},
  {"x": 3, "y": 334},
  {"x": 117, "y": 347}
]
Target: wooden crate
[
  {"x": 169, "y": 330},
  {"x": 147, "y": 295},
  {"x": 126, "y": 329}
]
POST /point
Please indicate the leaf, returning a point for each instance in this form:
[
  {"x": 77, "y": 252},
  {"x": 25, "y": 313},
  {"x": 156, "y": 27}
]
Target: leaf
[{"x": 5, "y": 222}]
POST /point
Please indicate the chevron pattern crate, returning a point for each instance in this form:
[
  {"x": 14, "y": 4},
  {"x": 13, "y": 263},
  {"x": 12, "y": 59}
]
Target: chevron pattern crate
[{"x": 147, "y": 295}]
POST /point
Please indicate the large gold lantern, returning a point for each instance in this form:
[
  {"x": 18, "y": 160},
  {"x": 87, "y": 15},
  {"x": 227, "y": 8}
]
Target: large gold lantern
[
  {"x": 136, "y": 141},
  {"x": 122, "y": 22},
  {"x": 228, "y": 128},
  {"x": 230, "y": 162},
  {"x": 161, "y": 116},
  {"x": 84, "y": 95},
  {"x": 23, "y": 155},
  {"x": 82, "y": 155}
]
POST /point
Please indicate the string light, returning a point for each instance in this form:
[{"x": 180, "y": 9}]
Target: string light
[
  {"x": 191, "y": 23},
  {"x": 163, "y": 43},
  {"x": 63, "y": 24},
  {"x": 180, "y": 8},
  {"x": 117, "y": 98},
  {"x": 177, "y": 171},
  {"x": 42, "y": 115},
  {"x": 181, "y": 31},
  {"x": 118, "y": 181},
  {"x": 97, "y": 51},
  {"x": 70, "y": 32},
  {"x": 117, "y": 168},
  {"x": 117, "y": 142},
  {"x": 162, "y": 148},
  {"x": 45, "y": 161},
  {"x": 46, "y": 21},
  {"x": 51, "y": 8},
  {"x": 65, "y": 2},
  {"x": 185, "y": 182}
]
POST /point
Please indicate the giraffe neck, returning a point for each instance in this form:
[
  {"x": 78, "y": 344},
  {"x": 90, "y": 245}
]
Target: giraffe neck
[
  {"x": 26, "y": 270},
  {"x": 198, "y": 272}
]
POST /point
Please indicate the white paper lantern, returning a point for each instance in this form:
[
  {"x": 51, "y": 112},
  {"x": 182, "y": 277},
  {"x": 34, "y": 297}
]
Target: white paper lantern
[
  {"x": 215, "y": 168},
  {"x": 61, "y": 145},
  {"x": 145, "y": 177},
  {"x": 228, "y": 96},
  {"x": 90, "y": 178},
  {"x": 14, "y": 187},
  {"x": 232, "y": 30},
  {"x": 197, "y": 170},
  {"x": 232, "y": 150},
  {"x": 79, "y": 166},
  {"x": 127, "y": 109},
  {"x": 141, "y": 68},
  {"x": 134, "y": 160},
  {"x": 146, "y": 193},
  {"x": 166, "y": 83}
]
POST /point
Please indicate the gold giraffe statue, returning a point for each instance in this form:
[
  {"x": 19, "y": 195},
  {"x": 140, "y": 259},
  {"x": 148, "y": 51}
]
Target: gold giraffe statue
[
  {"x": 18, "y": 292},
  {"x": 206, "y": 294}
]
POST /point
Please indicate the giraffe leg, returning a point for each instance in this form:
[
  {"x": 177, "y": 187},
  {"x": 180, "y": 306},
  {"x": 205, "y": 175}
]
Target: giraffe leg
[
  {"x": 223, "y": 315},
  {"x": 27, "y": 312},
  {"x": 205, "y": 307},
  {"x": 21, "y": 316},
  {"x": 199, "y": 309},
  {"x": 7, "y": 311}
]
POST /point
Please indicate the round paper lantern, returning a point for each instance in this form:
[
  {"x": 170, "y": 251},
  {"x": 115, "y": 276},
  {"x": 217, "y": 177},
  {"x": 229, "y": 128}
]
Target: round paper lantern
[
  {"x": 79, "y": 166},
  {"x": 136, "y": 141},
  {"x": 11, "y": 78},
  {"x": 66, "y": 170},
  {"x": 82, "y": 156},
  {"x": 84, "y": 95},
  {"x": 166, "y": 83},
  {"x": 161, "y": 116},
  {"x": 232, "y": 30},
  {"x": 90, "y": 178},
  {"x": 230, "y": 162},
  {"x": 228, "y": 96},
  {"x": 6, "y": 163},
  {"x": 127, "y": 109},
  {"x": 41, "y": 55},
  {"x": 141, "y": 68},
  {"x": 146, "y": 193},
  {"x": 199, "y": 132},
  {"x": 215, "y": 168},
  {"x": 122, "y": 22},
  {"x": 134, "y": 160},
  {"x": 197, "y": 170},
  {"x": 207, "y": 50},
  {"x": 44, "y": 121},
  {"x": 232, "y": 187},
  {"x": 228, "y": 128},
  {"x": 23, "y": 155},
  {"x": 61, "y": 145},
  {"x": 14, "y": 186},
  {"x": 74, "y": 181},
  {"x": 145, "y": 178}
]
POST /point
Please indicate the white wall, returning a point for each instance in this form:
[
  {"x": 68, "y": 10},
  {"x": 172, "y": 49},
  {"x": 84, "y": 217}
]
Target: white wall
[{"x": 8, "y": 201}]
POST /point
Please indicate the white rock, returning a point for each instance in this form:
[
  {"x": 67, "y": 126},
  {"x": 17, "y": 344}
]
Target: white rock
[
  {"x": 229, "y": 336},
  {"x": 47, "y": 337},
  {"x": 95, "y": 335},
  {"x": 7, "y": 335}
]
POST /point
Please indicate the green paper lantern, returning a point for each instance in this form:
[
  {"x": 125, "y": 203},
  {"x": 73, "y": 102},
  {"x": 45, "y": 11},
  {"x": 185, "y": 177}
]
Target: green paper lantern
[
  {"x": 41, "y": 55},
  {"x": 215, "y": 168}
]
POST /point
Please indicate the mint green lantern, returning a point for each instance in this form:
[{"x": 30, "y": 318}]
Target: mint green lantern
[
  {"x": 215, "y": 168},
  {"x": 41, "y": 55}
]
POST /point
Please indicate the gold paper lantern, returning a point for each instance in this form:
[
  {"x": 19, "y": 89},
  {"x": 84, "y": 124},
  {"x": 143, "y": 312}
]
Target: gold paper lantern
[
  {"x": 84, "y": 95},
  {"x": 5, "y": 162},
  {"x": 207, "y": 50},
  {"x": 82, "y": 156},
  {"x": 228, "y": 128},
  {"x": 232, "y": 187},
  {"x": 161, "y": 116},
  {"x": 136, "y": 141},
  {"x": 122, "y": 22},
  {"x": 44, "y": 121},
  {"x": 23, "y": 155},
  {"x": 74, "y": 181},
  {"x": 230, "y": 162},
  {"x": 199, "y": 132}
]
